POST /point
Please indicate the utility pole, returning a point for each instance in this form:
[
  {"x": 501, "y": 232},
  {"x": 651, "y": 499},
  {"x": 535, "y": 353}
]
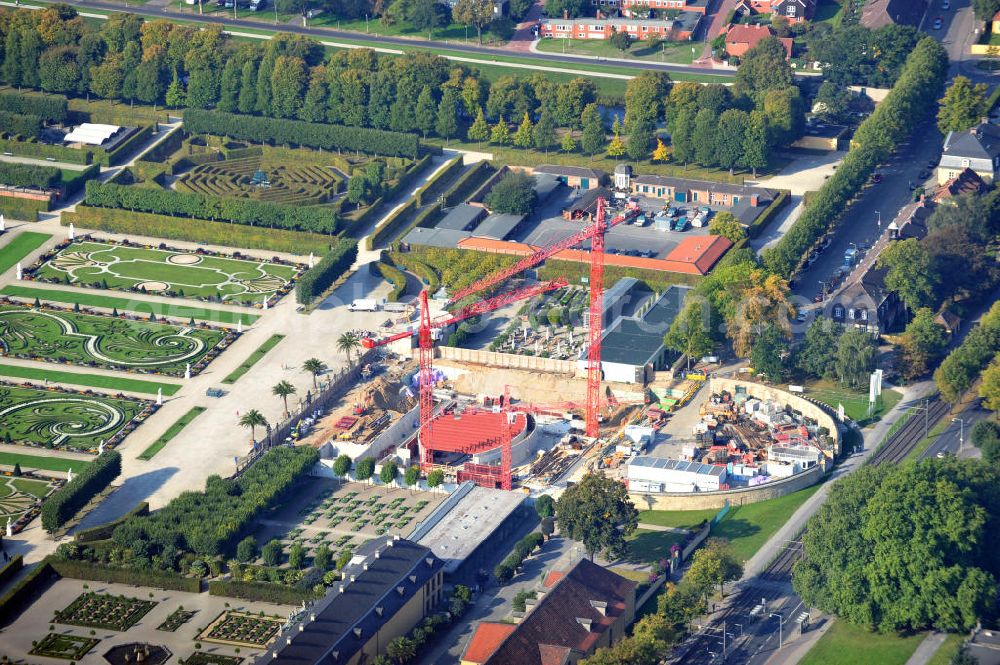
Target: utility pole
[{"x": 781, "y": 623}]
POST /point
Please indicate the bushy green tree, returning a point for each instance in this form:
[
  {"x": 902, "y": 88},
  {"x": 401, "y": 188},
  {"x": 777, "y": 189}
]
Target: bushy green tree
[{"x": 598, "y": 513}]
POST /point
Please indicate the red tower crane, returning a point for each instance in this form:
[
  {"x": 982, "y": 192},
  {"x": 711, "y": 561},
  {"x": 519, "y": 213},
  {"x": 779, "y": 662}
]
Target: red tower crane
[{"x": 596, "y": 320}]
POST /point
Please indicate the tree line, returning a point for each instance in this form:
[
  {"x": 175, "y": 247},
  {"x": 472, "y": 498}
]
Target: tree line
[
  {"x": 918, "y": 87},
  {"x": 329, "y": 269},
  {"x": 29, "y": 175},
  {"x": 68, "y": 500}
]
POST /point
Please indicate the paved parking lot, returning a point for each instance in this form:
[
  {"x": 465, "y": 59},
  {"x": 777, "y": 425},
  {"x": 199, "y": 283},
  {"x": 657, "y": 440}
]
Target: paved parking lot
[{"x": 547, "y": 226}]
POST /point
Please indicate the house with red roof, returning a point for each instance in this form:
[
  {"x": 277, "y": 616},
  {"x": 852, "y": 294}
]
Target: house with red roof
[
  {"x": 742, "y": 38},
  {"x": 586, "y": 608}
]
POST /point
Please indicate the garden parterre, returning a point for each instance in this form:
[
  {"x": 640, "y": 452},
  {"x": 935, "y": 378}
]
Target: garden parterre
[
  {"x": 163, "y": 271},
  {"x": 242, "y": 628},
  {"x": 67, "y": 647},
  {"x": 20, "y": 496},
  {"x": 55, "y": 418},
  {"x": 103, "y": 341},
  {"x": 95, "y": 610}
]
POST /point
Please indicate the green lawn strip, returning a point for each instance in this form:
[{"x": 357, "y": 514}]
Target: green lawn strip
[
  {"x": 846, "y": 644},
  {"x": 254, "y": 358},
  {"x": 647, "y": 545},
  {"x": 20, "y": 247},
  {"x": 659, "y": 51},
  {"x": 830, "y": 11},
  {"x": 40, "y": 462},
  {"x": 36, "y": 488},
  {"x": 679, "y": 519},
  {"x": 932, "y": 436},
  {"x": 89, "y": 380},
  {"x": 855, "y": 401},
  {"x": 130, "y": 305},
  {"x": 947, "y": 650},
  {"x": 171, "y": 432}
]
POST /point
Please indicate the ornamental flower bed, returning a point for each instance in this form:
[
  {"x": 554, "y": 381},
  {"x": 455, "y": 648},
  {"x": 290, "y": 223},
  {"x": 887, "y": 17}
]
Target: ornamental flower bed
[
  {"x": 94, "y": 610},
  {"x": 177, "y": 618},
  {"x": 241, "y": 628},
  {"x": 67, "y": 647}
]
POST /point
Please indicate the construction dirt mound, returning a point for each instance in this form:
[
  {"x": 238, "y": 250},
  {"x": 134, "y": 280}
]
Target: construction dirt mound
[{"x": 389, "y": 395}]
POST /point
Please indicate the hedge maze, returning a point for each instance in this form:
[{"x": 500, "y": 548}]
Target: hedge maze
[
  {"x": 65, "y": 419},
  {"x": 105, "y": 341},
  {"x": 167, "y": 272},
  {"x": 291, "y": 184}
]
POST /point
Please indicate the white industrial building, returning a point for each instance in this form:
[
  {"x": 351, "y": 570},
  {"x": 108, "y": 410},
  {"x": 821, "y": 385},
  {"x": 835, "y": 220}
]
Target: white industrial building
[{"x": 660, "y": 474}]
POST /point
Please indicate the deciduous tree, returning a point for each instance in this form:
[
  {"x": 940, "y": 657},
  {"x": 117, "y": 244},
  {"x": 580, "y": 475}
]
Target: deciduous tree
[
  {"x": 910, "y": 273},
  {"x": 476, "y": 13},
  {"x": 598, "y": 512},
  {"x": 962, "y": 106}
]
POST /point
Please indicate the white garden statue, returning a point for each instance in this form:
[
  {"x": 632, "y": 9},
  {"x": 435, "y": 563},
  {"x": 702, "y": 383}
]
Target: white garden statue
[
  {"x": 187, "y": 372},
  {"x": 312, "y": 260},
  {"x": 10, "y": 529},
  {"x": 20, "y": 271},
  {"x": 100, "y": 447},
  {"x": 72, "y": 231},
  {"x": 265, "y": 304},
  {"x": 69, "y": 476},
  {"x": 159, "y": 397},
  {"x": 3, "y": 223},
  {"x": 239, "y": 326}
]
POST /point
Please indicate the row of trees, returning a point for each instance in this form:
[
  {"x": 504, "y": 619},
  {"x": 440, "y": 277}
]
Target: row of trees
[
  {"x": 68, "y": 500},
  {"x": 49, "y": 108},
  {"x": 23, "y": 126},
  {"x": 916, "y": 90},
  {"x": 960, "y": 369},
  {"x": 207, "y": 523},
  {"x": 205, "y": 206},
  {"x": 329, "y": 269}
]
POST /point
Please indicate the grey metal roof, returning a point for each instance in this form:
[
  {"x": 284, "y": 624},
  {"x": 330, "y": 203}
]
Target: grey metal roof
[
  {"x": 498, "y": 226},
  {"x": 702, "y": 185},
  {"x": 380, "y": 569},
  {"x": 435, "y": 237},
  {"x": 639, "y": 340},
  {"x": 461, "y": 218},
  {"x": 668, "y": 464},
  {"x": 545, "y": 184},
  {"x": 666, "y": 309},
  {"x": 980, "y": 142}
]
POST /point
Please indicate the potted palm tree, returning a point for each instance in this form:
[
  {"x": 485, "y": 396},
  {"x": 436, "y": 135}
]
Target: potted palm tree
[
  {"x": 253, "y": 419},
  {"x": 283, "y": 389},
  {"x": 347, "y": 343},
  {"x": 314, "y": 366}
]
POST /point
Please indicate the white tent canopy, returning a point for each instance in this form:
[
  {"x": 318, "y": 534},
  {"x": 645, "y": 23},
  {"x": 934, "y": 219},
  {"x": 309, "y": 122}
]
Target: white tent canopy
[{"x": 91, "y": 134}]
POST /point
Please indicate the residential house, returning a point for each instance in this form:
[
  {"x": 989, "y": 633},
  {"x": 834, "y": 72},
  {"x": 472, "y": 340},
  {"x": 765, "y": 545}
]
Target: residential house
[
  {"x": 742, "y": 38},
  {"x": 572, "y": 176},
  {"x": 864, "y": 301},
  {"x": 996, "y": 23},
  {"x": 794, "y": 11},
  {"x": 579, "y": 611},
  {"x": 878, "y": 13},
  {"x": 948, "y": 320},
  {"x": 387, "y": 588},
  {"x": 680, "y": 28},
  {"x": 977, "y": 149},
  {"x": 966, "y": 182},
  {"x": 643, "y": 8}
]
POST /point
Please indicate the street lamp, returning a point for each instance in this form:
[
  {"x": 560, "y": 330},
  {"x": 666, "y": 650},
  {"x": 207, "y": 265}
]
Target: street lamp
[
  {"x": 366, "y": 24},
  {"x": 822, "y": 291},
  {"x": 781, "y": 623},
  {"x": 961, "y": 431},
  {"x": 878, "y": 219}
]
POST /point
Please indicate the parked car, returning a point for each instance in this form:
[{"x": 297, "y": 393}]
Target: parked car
[
  {"x": 946, "y": 5},
  {"x": 924, "y": 175},
  {"x": 705, "y": 209},
  {"x": 938, "y": 22},
  {"x": 876, "y": 178}
]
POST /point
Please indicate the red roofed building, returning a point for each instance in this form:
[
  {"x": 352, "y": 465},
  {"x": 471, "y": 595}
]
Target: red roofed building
[
  {"x": 996, "y": 23},
  {"x": 588, "y": 608},
  {"x": 700, "y": 251},
  {"x": 742, "y": 38},
  {"x": 966, "y": 182}
]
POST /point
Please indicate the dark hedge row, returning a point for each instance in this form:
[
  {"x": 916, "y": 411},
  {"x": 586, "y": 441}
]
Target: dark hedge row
[
  {"x": 20, "y": 124},
  {"x": 104, "y": 531},
  {"x": 51, "y": 108},
  {"x": 29, "y": 175},
  {"x": 263, "y": 592},
  {"x": 319, "y": 278},
  {"x": 312, "y": 135},
  {"x": 207, "y": 523},
  {"x": 919, "y": 86},
  {"x": 85, "y": 570},
  {"x": 65, "y": 502},
  {"x": 202, "y": 206},
  {"x": 25, "y": 591}
]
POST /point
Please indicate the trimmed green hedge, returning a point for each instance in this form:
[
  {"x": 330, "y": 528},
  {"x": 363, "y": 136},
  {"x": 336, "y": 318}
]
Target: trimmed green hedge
[
  {"x": 318, "y": 279},
  {"x": 85, "y": 570},
  {"x": 68, "y": 500},
  {"x": 44, "y": 151},
  {"x": 472, "y": 180},
  {"x": 393, "y": 222},
  {"x": 26, "y": 209},
  {"x": 202, "y": 206},
  {"x": 408, "y": 177},
  {"x": 51, "y": 108},
  {"x": 17, "y": 124},
  {"x": 433, "y": 187},
  {"x": 275, "y": 131},
  {"x": 395, "y": 277},
  {"x": 197, "y": 230},
  {"x": 429, "y": 216},
  {"x": 919, "y": 86},
  {"x": 29, "y": 175},
  {"x": 25, "y": 591},
  {"x": 104, "y": 531},
  {"x": 766, "y": 217},
  {"x": 10, "y": 569},
  {"x": 263, "y": 592},
  {"x": 165, "y": 148},
  {"x": 127, "y": 147},
  {"x": 73, "y": 185},
  {"x": 426, "y": 274}
]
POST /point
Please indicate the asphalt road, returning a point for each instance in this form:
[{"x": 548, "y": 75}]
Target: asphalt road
[
  {"x": 541, "y": 59},
  {"x": 956, "y": 438}
]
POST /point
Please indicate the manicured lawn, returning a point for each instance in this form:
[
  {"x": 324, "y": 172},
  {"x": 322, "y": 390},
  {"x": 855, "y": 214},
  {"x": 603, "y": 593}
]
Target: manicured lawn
[
  {"x": 40, "y": 462},
  {"x": 830, "y": 11},
  {"x": 674, "y": 52},
  {"x": 746, "y": 527},
  {"x": 855, "y": 401},
  {"x": 19, "y": 495},
  {"x": 36, "y": 488},
  {"x": 254, "y": 358},
  {"x": 846, "y": 644},
  {"x": 89, "y": 380},
  {"x": 171, "y": 432},
  {"x": 63, "y": 419},
  {"x": 145, "y": 270},
  {"x": 647, "y": 545},
  {"x": 172, "y": 310},
  {"x": 104, "y": 341},
  {"x": 453, "y": 31},
  {"x": 20, "y": 247}
]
